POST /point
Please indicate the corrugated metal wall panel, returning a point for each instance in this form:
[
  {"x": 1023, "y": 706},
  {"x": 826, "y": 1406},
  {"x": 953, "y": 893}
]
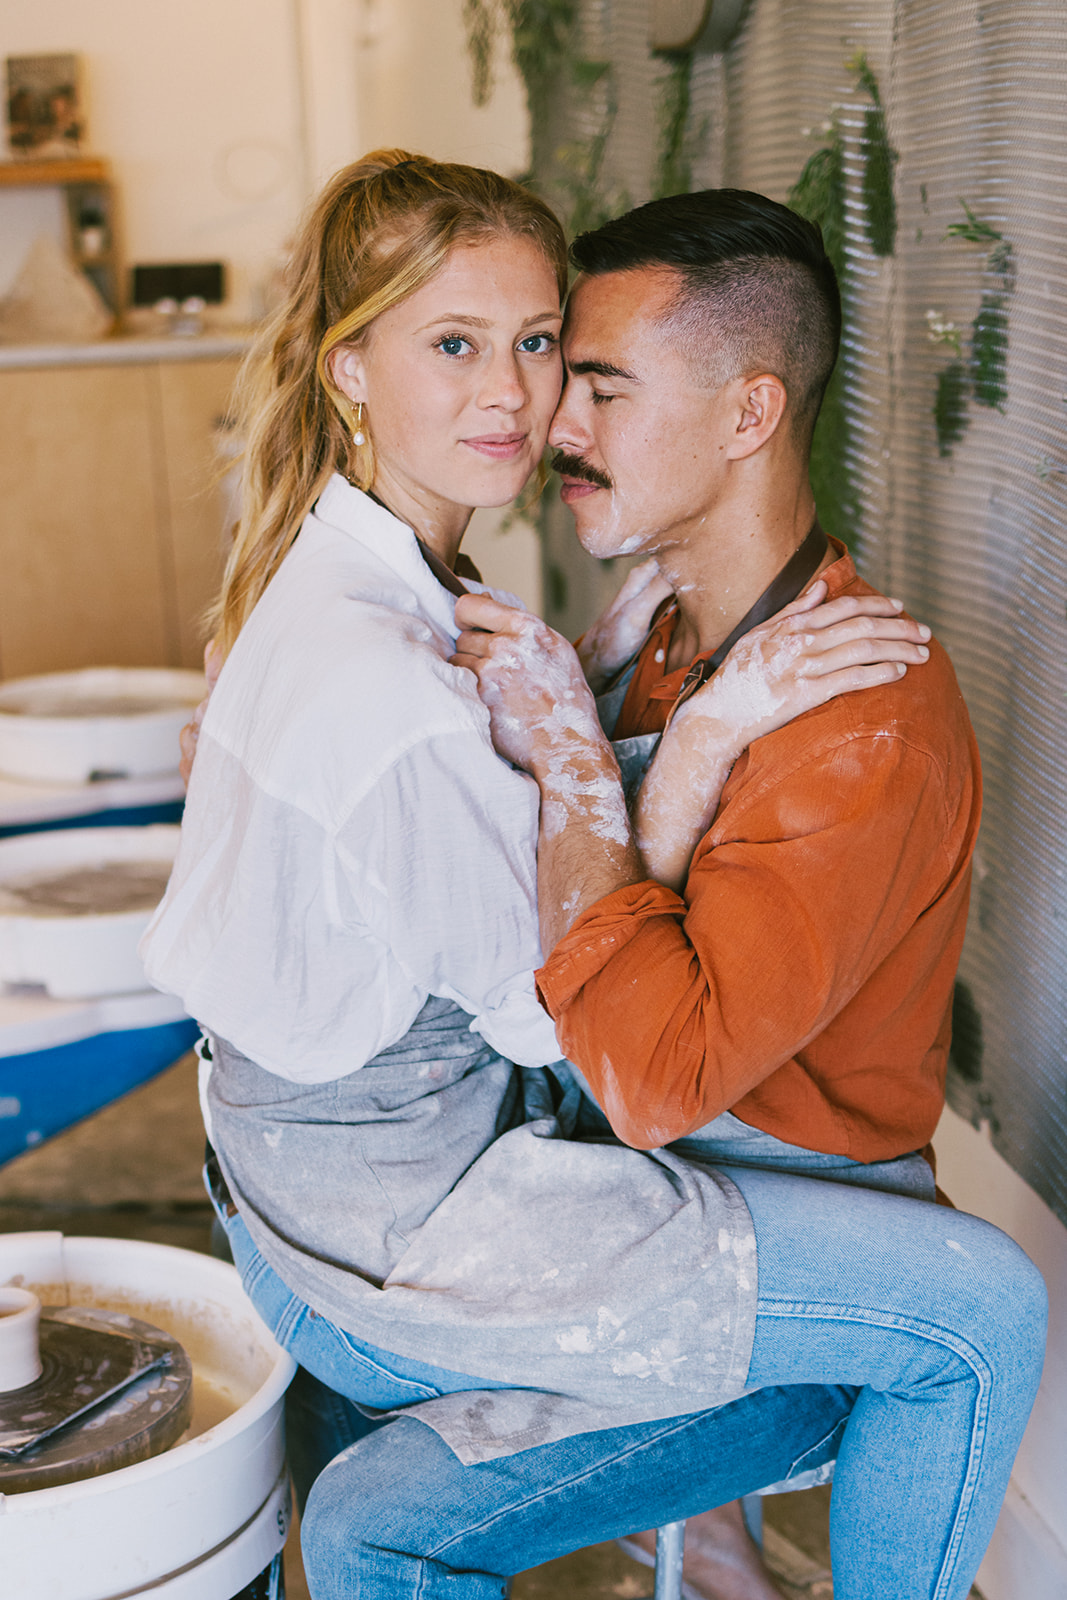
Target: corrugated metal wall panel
[{"x": 973, "y": 539}]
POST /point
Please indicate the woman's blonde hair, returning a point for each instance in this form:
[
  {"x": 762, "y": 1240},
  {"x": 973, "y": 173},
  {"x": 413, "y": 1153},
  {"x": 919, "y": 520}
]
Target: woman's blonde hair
[{"x": 380, "y": 230}]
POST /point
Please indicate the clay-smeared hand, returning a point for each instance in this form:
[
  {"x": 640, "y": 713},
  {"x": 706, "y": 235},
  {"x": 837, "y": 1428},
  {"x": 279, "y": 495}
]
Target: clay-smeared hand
[
  {"x": 530, "y": 680},
  {"x": 807, "y": 654},
  {"x": 621, "y": 629},
  {"x": 191, "y": 732}
]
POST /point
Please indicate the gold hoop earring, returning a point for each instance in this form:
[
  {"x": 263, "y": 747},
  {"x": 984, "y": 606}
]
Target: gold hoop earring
[{"x": 358, "y": 436}]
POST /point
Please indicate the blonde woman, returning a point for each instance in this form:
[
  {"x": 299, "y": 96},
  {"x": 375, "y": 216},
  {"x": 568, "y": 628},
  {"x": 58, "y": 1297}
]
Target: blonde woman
[{"x": 353, "y": 919}]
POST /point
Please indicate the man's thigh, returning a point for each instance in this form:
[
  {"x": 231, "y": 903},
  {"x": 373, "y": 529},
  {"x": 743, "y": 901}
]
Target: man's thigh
[{"x": 398, "y": 1514}]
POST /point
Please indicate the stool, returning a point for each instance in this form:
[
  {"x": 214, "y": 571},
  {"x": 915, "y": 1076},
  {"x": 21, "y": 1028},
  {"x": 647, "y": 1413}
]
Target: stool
[{"x": 670, "y": 1548}]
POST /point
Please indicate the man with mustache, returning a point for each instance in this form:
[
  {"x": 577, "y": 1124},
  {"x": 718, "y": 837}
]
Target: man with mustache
[{"x": 759, "y": 969}]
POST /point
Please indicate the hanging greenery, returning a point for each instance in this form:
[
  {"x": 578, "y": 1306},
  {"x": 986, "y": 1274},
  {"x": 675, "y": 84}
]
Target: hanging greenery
[
  {"x": 674, "y": 169},
  {"x": 950, "y": 406},
  {"x": 547, "y": 54},
  {"x": 879, "y": 160},
  {"x": 989, "y": 331},
  {"x": 982, "y": 376},
  {"x": 819, "y": 195},
  {"x": 540, "y": 39}
]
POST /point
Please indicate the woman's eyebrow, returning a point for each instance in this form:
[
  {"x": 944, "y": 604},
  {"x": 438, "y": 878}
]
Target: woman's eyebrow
[{"x": 554, "y": 315}]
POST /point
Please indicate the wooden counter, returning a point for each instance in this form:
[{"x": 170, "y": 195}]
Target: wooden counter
[{"x": 112, "y": 515}]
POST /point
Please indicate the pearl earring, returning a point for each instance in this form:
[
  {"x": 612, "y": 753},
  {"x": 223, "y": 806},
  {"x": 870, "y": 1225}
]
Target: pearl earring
[{"x": 358, "y": 436}]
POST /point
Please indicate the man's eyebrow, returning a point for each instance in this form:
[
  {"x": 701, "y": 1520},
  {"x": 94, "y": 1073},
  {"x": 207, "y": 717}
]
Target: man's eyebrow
[
  {"x": 601, "y": 369},
  {"x": 483, "y": 322}
]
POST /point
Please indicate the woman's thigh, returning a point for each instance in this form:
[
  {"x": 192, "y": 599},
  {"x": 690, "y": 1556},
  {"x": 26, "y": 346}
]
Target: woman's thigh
[{"x": 351, "y": 1367}]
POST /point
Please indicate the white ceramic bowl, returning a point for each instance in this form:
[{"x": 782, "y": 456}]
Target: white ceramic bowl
[
  {"x": 77, "y": 957},
  {"x": 157, "y": 1526},
  {"x": 69, "y": 727}
]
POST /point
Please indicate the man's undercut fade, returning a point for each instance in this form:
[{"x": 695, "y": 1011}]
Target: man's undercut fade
[{"x": 757, "y": 291}]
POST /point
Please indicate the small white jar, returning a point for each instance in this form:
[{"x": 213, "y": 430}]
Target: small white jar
[{"x": 20, "y": 1355}]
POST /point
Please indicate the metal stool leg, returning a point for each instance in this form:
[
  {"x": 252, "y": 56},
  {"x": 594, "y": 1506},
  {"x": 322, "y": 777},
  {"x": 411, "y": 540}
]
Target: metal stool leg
[
  {"x": 670, "y": 1548},
  {"x": 752, "y": 1511}
]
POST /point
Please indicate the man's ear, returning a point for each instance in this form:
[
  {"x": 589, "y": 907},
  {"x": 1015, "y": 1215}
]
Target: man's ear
[
  {"x": 761, "y": 403},
  {"x": 345, "y": 366}
]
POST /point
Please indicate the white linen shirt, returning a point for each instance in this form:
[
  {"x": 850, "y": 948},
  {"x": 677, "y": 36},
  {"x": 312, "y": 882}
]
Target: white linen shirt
[{"x": 352, "y": 843}]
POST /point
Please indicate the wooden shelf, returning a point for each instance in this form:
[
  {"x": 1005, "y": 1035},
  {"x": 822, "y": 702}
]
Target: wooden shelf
[
  {"x": 61, "y": 173},
  {"x": 85, "y": 182}
]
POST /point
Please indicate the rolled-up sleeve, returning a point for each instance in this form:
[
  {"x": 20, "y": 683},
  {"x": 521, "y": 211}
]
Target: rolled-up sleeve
[{"x": 675, "y": 1008}]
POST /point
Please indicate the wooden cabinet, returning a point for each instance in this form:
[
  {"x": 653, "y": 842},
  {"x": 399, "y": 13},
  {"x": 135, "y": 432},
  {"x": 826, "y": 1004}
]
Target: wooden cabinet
[{"x": 112, "y": 513}]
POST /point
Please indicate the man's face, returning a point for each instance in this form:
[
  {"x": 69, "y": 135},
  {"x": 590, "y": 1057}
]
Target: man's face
[{"x": 641, "y": 449}]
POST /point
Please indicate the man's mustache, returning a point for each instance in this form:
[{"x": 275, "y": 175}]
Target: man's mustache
[{"x": 574, "y": 467}]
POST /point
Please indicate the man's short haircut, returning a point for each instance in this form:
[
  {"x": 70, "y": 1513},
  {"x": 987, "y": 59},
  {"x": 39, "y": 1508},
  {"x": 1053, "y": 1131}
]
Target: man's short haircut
[{"x": 758, "y": 292}]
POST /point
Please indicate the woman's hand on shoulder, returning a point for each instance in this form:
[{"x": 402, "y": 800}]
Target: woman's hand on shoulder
[
  {"x": 808, "y": 653},
  {"x": 191, "y": 732}
]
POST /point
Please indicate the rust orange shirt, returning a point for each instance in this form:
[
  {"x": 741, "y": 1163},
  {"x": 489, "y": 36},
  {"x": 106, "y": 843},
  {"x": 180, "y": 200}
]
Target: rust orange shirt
[{"x": 804, "y": 979}]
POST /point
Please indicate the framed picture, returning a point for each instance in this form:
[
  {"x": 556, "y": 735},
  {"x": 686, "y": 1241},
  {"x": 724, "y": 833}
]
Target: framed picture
[{"x": 45, "y": 117}]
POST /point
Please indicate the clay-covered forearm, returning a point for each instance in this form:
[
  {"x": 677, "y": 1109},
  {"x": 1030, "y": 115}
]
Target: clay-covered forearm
[{"x": 585, "y": 845}]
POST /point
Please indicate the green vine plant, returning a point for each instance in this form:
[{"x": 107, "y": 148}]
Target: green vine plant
[
  {"x": 981, "y": 374},
  {"x": 879, "y": 160},
  {"x": 674, "y": 172},
  {"x": 541, "y": 39},
  {"x": 989, "y": 331},
  {"x": 547, "y": 54},
  {"x": 819, "y": 194}
]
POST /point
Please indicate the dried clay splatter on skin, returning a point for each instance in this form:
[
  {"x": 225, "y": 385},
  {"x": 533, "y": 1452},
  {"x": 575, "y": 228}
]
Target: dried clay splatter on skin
[
  {"x": 620, "y": 632},
  {"x": 571, "y": 721},
  {"x": 745, "y": 698}
]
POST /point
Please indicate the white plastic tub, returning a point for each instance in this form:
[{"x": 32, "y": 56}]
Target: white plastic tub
[
  {"x": 200, "y": 1521},
  {"x": 69, "y": 727},
  {"x": 78, "y": 957}
]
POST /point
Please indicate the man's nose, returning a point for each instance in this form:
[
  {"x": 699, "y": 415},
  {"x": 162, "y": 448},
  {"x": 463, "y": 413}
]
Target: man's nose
[{"x": 567, "y": 431}]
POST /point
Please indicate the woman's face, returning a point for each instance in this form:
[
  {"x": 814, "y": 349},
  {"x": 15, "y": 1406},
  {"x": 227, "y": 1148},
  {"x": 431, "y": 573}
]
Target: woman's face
[{"x": 459, "y": 383}]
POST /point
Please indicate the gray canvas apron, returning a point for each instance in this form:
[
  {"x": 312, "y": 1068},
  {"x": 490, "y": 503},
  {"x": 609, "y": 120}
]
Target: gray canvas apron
[{"x": 432, "y": 1204}]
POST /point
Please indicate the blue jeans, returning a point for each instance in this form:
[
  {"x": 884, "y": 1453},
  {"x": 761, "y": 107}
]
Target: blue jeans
[{"x": 905, "y": 1338}]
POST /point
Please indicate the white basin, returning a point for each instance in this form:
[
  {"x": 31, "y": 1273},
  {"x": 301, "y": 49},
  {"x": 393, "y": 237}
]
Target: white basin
[
  {"x": 67, "y": 727},
  {"x": 78, "y": 956},
  {"x": 205, "y": 1517}
]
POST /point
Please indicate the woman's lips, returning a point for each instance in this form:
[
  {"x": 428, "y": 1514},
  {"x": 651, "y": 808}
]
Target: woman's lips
[{"x": 499, "y": 446}]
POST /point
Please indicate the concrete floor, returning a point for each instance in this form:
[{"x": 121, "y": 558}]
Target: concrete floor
[{"x": 133, "y": 1171}]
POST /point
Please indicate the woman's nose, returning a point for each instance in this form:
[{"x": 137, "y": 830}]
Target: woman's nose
[{"x": 504, "y": 386}]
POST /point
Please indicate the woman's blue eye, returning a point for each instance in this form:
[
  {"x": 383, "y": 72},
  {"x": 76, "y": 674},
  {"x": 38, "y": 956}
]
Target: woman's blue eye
[
  {"x": 452, "y": 345},
  {"x": 538, "y": 344}
]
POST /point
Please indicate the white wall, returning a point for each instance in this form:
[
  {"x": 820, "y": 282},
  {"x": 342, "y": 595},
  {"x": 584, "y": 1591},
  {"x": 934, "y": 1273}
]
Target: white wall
[
  {"x": 1027, "y": 1559},
  {"x": 221, "y": 117}
]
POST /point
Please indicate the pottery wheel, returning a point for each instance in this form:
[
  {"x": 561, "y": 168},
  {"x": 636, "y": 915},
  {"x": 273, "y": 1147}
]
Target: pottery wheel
[{"x": 88, "y": 1352}]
